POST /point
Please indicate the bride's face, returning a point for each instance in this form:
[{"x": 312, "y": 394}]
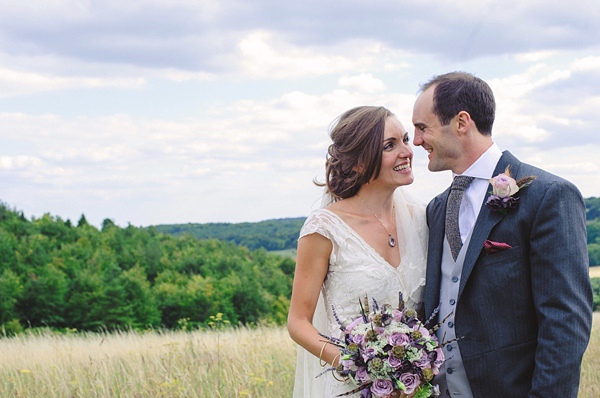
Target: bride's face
[{"x": 396, "y": 160}]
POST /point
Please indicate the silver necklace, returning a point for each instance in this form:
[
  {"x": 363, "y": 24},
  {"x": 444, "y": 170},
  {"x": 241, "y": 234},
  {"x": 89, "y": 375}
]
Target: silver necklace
[{"x": 391, "y": 240}]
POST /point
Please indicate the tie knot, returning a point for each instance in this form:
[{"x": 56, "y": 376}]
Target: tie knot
[{"x": 461, "y": 182}]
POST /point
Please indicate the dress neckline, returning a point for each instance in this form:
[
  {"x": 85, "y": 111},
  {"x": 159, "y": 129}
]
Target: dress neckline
[{"x": 346, "y": 225}]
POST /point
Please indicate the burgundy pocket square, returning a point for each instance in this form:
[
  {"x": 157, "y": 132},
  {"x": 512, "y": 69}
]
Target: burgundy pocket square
[{"x": 493, "y": 247}]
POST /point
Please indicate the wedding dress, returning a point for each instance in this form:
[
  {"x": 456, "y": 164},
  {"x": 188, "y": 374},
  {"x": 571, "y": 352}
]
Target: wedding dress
[{"x": 356, "y": 270}]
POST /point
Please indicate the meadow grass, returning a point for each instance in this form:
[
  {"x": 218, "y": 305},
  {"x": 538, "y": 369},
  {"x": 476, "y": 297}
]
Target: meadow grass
[{"x": 234, "y": 362}]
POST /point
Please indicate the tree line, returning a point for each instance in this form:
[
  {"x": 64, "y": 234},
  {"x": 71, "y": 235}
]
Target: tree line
[
  {"x": 592, "y": 206},
  {"x": 277, "y": 234},
  {"x": 59, "y": 275}
]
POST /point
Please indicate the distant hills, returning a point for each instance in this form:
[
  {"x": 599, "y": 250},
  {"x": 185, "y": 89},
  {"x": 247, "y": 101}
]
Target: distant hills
[
  {"x": 275, "y": 234},
  {"x": 282, "y": 234}
]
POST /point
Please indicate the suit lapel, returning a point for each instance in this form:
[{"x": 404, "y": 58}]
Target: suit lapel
[
  {"x": 437, "y": 218},
  {"x": 486, "y": 220}
]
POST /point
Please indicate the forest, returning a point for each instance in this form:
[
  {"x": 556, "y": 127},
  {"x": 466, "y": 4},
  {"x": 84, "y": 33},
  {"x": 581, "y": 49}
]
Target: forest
[
  {"x": 593, "y": 229},
  {"x": 277, "y": 234},
  {"x": 79, "y": 277},
  {"x": 55, "y": 274}
]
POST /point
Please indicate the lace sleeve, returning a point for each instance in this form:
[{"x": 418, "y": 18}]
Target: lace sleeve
[{"x": 319, "y": 222}]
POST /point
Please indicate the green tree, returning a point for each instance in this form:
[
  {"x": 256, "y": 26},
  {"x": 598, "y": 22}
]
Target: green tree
[
  {"x": 43, "y": 300},
  {"x": 10, "y": 292}
]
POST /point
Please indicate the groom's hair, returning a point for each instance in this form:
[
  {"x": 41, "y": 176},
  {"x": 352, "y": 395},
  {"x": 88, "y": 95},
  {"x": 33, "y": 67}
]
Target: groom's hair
[
  {"x": 354, "y": 157},
  {"x": 460, "y": 91}
]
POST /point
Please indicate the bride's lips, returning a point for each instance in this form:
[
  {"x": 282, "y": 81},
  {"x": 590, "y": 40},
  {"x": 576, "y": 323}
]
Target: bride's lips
[{"x": 404, "y": 166}]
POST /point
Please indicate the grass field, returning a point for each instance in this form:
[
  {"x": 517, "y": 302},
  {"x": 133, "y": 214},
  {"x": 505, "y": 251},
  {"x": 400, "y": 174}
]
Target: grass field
[
  {"x": 230, "y": 363},
  {"x": 291, "y": 253}
]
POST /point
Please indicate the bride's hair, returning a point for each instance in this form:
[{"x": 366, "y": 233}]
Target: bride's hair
[{"x": 355, "y": 155}]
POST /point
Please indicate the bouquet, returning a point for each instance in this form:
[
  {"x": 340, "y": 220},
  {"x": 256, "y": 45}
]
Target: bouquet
[{"x": 388, "y": 350}]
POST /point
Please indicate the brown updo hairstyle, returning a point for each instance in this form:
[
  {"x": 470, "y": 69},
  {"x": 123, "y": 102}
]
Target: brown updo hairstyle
[{"x": 355, "y": 155}]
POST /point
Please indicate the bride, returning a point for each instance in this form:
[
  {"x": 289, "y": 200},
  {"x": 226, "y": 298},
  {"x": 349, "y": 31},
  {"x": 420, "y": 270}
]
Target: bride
[{"x": 370, "y": 240}]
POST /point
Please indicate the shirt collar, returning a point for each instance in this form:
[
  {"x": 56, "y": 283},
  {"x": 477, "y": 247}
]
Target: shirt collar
[{"x": 486, "y": 164}]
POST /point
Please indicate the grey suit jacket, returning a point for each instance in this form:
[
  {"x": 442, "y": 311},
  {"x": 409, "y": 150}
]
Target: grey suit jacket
[{"x": 524, "y": 313}]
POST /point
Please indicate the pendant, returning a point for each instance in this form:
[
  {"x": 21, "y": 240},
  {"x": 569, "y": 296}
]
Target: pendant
[{"x": 392, "y": 241}]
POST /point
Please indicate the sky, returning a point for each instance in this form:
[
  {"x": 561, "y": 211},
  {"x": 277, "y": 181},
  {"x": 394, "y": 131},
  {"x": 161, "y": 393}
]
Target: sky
[{"x": 173, "y": 111}]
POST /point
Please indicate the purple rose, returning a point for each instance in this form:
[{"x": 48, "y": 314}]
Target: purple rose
[
  {"x": 362, "y": 375},
  {"x": 439, "y": 360},
  {"x": 423, "y": 362},
  {"x": 398, "y": 339},
  {"x": 496, "y": 203},
  {"x": 368, "y": 354},
  {"x": 411, "y": 382},
  {"x": 394, "y": 362},
  {"x": 510, "y": 203},
  {"x": 397, "y": 315},
  {"x": 348, "y": 364},
  {"x": 382, "y": 388},
  {"x": 359, "y": 338}
]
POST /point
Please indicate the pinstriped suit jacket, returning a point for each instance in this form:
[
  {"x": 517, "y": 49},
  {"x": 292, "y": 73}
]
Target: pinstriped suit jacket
[{"x": 524, "y": 313}]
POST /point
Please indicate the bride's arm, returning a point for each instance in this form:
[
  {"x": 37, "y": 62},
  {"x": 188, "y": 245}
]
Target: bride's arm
[{"x": 312, "y": 262}]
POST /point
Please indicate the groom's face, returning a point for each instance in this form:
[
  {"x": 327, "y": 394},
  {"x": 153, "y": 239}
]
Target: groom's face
[{"x": 439, "y": 141}]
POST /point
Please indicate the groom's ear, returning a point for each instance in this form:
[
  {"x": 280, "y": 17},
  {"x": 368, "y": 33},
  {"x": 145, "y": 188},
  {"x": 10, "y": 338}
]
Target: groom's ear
[{"x": 464, "y": 123}]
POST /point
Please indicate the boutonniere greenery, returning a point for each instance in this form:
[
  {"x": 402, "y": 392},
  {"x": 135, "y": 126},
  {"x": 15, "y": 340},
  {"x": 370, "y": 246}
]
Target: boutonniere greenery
[{"x": 504, "y": 187}]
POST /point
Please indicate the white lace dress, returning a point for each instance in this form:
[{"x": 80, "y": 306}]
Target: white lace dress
[{"x": 356, "y": 270}]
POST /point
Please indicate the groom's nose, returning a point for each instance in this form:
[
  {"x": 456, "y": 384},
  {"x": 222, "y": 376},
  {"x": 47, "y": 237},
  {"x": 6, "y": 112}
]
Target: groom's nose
[{"x": 418, "y": 139}]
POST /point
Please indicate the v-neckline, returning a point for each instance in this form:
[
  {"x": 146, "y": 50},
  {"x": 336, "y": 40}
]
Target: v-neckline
[{"x": 365, "y": 242}]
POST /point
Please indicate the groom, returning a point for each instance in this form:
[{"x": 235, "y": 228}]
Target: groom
[{"x": 513, "y": 272}]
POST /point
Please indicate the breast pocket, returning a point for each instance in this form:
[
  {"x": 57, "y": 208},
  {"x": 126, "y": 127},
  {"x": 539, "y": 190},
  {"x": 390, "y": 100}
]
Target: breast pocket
[{"x": 504, "y": 256}]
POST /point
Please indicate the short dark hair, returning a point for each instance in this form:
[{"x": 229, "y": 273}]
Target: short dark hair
[
  {"x": 460, "y": 91},
  {"x": 354, "y": 157}
]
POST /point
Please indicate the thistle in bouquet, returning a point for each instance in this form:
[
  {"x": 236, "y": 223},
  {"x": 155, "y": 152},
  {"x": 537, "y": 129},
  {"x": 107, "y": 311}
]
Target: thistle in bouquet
[{"x": 388, "y": 350}]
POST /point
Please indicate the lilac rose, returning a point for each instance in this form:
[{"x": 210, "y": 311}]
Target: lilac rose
[
  {"x": 358, "y": 339},
  {"x": 362, "y": 375},
  {"x": 503, "y": 185},
  {"x": 368, "y": 354},
  {"x": 398, "y": 339},
  {"x": 397, "y": 315},
  {"x": 411, "y": 382},
  {"x": 394, "y": 362},
  {"x": 439, "y": 360},
  {"x": 423, "y": 362},
  {"x": 382, "y": 388}
]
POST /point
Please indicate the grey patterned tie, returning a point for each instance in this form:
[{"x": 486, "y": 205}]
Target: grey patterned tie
[{"x": 459, "y": 185}]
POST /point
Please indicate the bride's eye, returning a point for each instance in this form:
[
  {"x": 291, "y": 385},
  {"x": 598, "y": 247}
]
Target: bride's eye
[{"x": 406, "y": 138}]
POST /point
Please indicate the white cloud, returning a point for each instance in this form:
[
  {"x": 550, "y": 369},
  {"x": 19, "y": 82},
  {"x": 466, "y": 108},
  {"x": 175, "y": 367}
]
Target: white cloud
[
  {"x": 363, "y": 82},
  {"x": 176, "y": 111},
  {"x": 16, "y": 82}
]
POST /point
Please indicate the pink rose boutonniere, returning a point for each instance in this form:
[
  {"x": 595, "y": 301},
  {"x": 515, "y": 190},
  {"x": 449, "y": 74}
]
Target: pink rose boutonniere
[{"x": 504, "y": 187}]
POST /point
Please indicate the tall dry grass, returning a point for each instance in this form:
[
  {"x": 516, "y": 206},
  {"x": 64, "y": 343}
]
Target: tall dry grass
[
  {"x": 231, "y": 363},
  {"x": 590, "y": 368}
]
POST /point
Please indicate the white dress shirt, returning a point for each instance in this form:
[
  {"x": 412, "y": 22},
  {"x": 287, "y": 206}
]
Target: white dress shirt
[{"x": 482, "y": 170}]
